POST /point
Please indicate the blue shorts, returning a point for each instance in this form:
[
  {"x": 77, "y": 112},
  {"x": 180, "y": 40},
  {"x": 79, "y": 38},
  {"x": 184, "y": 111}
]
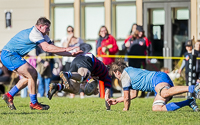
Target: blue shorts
[
  {"x": 161, "y": 77},
  {"x": 11, "y": 60}
]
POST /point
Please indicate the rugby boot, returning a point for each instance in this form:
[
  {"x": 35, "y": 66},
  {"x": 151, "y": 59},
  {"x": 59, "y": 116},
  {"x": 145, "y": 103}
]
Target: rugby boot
[
  {"x": 9, "y": 101},
  {"x": 194, "y": 106},
  {"x": 64, "y": 77},
  {"x": 52, "y": 90},
  {"x": 39, "y": 106}
]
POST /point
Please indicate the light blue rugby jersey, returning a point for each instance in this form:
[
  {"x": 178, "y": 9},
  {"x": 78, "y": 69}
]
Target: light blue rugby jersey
[
  {"x": 137, "y": 79},
  {"x": 26, "y": 40}
]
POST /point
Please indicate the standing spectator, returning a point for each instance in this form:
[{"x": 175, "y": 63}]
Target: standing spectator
[
  {"x": 124, "y": 48},
  {"x": 185, "y": 63},
  {"x": 44, "y": 71},
  {"x": 71, "y": 41},
  {"x": 132, "y": 31},
  {"x": 139, "y": 45},
  {"x": 106, "y": 45}
]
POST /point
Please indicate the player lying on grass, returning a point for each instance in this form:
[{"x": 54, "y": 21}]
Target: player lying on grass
[
  {"x": 81, "y": 68},
  {"x": 12, "y": 57},
  {"x": 135, "y": 79}
]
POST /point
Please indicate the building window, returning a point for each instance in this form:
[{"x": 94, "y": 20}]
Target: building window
[
  {"x": 63, "y": 1},
  {"x": 94, "y": 0},
  {"x": 92, "y": 18},
  {"x": 63, "y": 17},
  {"x": 123, "y": 17}
]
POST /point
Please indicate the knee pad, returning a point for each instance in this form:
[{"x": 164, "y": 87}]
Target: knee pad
[
  {"x": 165, "y": 87},
  {"x": 159, "y": 102}
]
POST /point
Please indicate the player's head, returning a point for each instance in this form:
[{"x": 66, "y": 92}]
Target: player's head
[
  {"x": 117, "y": 68},
  {"x": 91, "y": 87},
  {"x": 43, "y": 25}
]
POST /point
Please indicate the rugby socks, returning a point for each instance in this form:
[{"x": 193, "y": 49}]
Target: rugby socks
[
  {"x": 33, "y": 98},
  {"x": 191, "y": 88},
  {"x": 60, "y": 86},
  {"x": 176, "y": 105},
  {"x": 69, "y": 75},
  {"x": 13, "y": 91}
]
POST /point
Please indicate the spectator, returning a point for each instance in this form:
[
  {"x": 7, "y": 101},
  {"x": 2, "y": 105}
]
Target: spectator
[
  {"x": 133, "y": 29},
  {"x": 106, "y": 45},
  {"x": 124, "y": 48},
  {"x": 71, "y": 41},
  {"x": 138, "y": 45},
  {"x": 185, "y": 63},
  {"x": 44, "y": 71}
]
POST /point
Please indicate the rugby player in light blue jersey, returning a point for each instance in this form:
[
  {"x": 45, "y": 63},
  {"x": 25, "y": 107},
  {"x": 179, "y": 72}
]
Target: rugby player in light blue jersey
[
  {"x": 135, "y": 79},
  {"x": 12, "y": 57}
]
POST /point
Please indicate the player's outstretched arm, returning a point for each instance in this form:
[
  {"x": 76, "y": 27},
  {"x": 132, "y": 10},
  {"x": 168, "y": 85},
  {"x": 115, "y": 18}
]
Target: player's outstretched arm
[{"x": 58, "y": 50}]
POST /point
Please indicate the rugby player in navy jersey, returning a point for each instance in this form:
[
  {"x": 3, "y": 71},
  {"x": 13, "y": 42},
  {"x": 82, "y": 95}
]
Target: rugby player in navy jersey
[{"x": 81, "y": 69}]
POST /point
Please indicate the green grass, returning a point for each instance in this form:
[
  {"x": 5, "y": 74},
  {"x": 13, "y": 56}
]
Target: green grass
[{"x": 92, "y": 111}]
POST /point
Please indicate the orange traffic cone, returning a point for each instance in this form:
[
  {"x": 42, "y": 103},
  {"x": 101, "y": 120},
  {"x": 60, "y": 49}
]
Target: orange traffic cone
[{"x": 101, "y": 89}]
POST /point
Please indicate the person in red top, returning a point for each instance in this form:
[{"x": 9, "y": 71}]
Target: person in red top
[
  {"x": 106, "y": 45},
  {"x": 133, "y": 29}
]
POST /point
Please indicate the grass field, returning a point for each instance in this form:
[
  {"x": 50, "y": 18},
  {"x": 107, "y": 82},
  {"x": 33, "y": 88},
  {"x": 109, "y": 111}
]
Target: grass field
[{"x": 66, "y": 111}]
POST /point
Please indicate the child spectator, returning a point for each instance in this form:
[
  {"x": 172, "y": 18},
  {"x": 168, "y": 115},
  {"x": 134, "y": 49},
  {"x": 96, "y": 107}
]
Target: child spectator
[{"x": 185, "y": 63}]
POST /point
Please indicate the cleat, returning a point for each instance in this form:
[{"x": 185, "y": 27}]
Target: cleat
[
  {"x": 9, "y": 101},
  {"x": 64, "y": 78},
  {"x": 197, "y": 90},
  {"x": 194, "y": 106},
  {"x": 39, "y": 106},
  {"x": 52, "y": 90}
]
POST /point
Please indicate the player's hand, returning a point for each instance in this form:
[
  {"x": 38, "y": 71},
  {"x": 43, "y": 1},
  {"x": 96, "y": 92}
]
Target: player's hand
[
  {"x": 70, "y": 48},
  {"x": 111, "y": 101},
  {"x": 77, "y": 53},
  {"x": 125, "y": 109}
]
